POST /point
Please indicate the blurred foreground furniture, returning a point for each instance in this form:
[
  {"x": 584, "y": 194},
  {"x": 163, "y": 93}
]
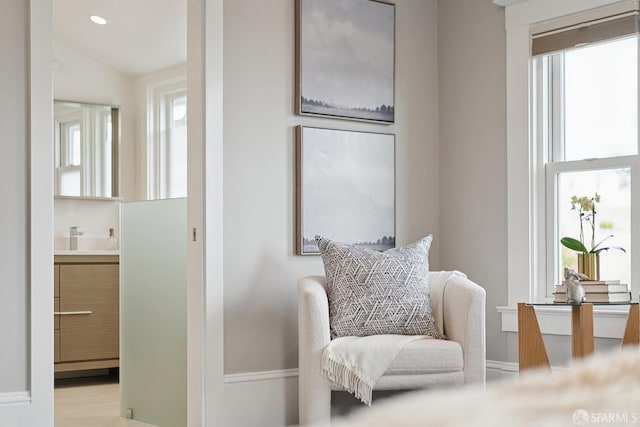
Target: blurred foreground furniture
[
  {"x": 459, "y": 312},
  {"x": 601, "y": 389}
]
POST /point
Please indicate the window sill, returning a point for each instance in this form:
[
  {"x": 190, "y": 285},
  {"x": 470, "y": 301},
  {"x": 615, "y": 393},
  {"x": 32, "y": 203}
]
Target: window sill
[{"x": 609, "y": 322}]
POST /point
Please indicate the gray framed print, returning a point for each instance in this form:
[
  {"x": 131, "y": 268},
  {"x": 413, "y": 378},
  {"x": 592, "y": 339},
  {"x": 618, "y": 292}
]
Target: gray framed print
[
  {"x": 345, "y": 188},
  {"x": 345, "y": 59}
]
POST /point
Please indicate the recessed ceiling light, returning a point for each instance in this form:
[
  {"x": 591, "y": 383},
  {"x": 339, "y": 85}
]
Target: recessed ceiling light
[{"x": 98, "y": 20}]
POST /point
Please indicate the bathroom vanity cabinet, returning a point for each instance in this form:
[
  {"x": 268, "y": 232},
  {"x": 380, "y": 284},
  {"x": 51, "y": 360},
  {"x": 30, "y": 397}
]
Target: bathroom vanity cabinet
[{"x": 86, "y": 312}]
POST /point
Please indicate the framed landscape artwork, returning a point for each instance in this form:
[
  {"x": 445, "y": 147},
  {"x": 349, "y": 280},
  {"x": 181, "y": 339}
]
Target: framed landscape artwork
[
  {"x": 345, "y": 188},
  {"x": 345, "y": 59}
]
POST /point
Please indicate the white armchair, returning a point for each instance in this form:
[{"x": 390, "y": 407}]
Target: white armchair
[{"x": 458, "y": 307}]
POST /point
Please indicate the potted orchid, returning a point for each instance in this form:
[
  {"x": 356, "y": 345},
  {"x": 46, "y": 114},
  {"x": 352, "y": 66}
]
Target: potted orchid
[{"x": 588, "y": 259}]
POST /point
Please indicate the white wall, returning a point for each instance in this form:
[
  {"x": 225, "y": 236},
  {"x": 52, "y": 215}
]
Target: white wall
[
  {"x": 26, "y": 267},
  {"x": 93, "y": 217},
  {"x": 473, "y": 151},
  {"x": 78, "y": 77},
  {"x": 14, "y": 214},
  {"x": 260, "y": 267}
]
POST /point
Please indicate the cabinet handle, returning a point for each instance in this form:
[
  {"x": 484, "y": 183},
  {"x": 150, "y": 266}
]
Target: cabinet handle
[{"x": 71, "y": 313}]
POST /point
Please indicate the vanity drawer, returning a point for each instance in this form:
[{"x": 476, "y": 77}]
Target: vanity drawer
[
  {"x": 86, "y": 298},
  {"x": 89, "y": 299}
]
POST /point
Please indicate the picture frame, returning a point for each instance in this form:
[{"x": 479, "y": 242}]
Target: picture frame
[
  {"x": 345, "y": 59},
  {"x": 345, "y": 188}
]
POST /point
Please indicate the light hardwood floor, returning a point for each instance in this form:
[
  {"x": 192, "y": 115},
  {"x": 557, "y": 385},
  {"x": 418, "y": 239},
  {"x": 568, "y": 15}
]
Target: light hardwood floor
[{"x": 90, "y": 402}]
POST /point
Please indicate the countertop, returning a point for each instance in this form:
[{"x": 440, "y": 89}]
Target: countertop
[{"x": 85, "y": 253}]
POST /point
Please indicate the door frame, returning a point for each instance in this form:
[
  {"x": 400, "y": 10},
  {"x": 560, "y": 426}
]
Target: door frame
[
  {"x": 205, "y": 255},
  {"x": 205, "y": 336},
  {"x": 39, "y": 409},
  {"x": 34, "y": 406}
]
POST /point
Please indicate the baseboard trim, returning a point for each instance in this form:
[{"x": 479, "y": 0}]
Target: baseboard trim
[
  {"x": 498, "y": 369},
  {"x": 494, "y": 368},
  {"x": 246, "y": 377},
  {"x": 14, "y": 398},
  {"x": 505, "y": 3},
  {"x": 502, "y": 368}
]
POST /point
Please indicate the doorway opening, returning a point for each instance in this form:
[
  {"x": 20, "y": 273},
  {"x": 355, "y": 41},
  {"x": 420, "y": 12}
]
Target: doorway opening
[{"x": 119, "y": 61}]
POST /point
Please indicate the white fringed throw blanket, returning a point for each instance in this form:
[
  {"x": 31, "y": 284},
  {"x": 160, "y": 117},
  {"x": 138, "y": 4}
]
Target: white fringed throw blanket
[{"x": 356, "y": 363}]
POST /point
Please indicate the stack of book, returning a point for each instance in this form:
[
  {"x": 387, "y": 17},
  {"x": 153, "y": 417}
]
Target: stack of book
[{"x": 597, "y": 291}]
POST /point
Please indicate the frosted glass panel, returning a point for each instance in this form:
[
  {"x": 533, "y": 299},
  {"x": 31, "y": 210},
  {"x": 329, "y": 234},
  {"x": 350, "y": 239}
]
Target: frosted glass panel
[{"x": 153, "y": 289}]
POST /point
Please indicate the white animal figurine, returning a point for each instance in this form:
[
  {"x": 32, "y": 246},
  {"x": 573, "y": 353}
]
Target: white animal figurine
[{"x": 575, "y": 291}]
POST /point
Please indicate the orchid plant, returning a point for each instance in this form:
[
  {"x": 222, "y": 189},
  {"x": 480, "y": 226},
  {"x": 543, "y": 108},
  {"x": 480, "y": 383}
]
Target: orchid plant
[{"x": 586, "y": 208}]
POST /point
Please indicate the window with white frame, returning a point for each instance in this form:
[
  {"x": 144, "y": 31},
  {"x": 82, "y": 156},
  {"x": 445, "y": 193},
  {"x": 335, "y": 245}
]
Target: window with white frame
[
  {"x": 167, "y": 140},
  {"x": 586, "y": 132},
  {"x": 69, "y": 157},
  {"x": 84, "y": 150}
]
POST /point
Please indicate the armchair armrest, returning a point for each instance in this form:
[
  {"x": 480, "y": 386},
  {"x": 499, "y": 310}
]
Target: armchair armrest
[
  {"x": 464, "y": 322},
  {"x": 313, "y": 336}
]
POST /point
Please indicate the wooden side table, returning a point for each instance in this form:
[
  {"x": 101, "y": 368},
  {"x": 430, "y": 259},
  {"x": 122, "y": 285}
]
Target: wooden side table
[{"x": 532, "y": 352}]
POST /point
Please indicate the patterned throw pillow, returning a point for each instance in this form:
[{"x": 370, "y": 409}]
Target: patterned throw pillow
[{"x": 375, "y": 293}]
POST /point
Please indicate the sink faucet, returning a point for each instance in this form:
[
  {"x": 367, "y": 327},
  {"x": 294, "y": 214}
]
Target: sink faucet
[{"x": 74, "y": 233}]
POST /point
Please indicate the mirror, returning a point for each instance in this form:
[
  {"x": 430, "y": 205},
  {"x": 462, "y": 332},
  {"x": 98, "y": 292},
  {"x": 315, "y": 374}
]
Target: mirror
[{"x": 86, "y": 150}]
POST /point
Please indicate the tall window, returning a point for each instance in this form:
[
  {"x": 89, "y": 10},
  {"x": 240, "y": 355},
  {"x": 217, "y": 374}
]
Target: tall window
[
  {"x": 586, "y": 114},
  {"x": 167, "y": 140}
]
